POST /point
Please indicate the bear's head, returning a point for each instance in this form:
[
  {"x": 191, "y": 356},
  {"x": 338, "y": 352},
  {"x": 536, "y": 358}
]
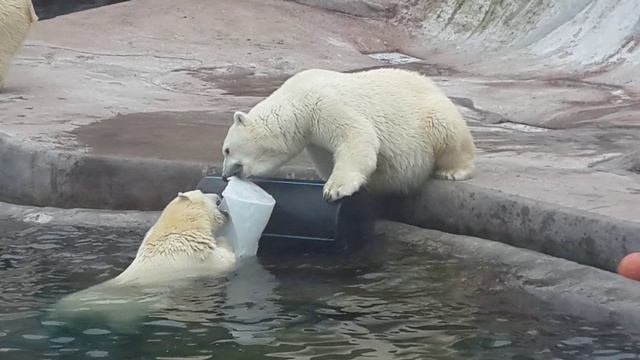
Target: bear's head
[
  {"x": 258, "y": 143},
  {"x": 189, "y": 211}
]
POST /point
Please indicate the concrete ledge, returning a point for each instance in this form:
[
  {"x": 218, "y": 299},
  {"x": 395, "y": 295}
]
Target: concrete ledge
[
  {"x": 35, "y": 176},
  {"x": 136, "y": 220},
  {"x": 569, "y": 287},
  {"x": 465, "y": 209},
  {"x": 32, "y": 175}
]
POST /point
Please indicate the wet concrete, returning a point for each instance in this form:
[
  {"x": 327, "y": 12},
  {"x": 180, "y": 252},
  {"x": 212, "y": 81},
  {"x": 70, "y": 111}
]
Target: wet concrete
[
  {"x": 189, "y": 135},
  {"x": 422, "y": 67},
  {"x": 238, "y": 81},
  {"x": 168, "y": 135}
]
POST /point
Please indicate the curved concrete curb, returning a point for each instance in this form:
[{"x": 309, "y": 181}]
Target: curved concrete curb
[
  {"x": 580, "y": 236},
  {"x": 36, "y": 176},
  {"x": 569, "y": 287},
  {"x": 136, "y": 220},
  {"x": 32, "y": 175}
]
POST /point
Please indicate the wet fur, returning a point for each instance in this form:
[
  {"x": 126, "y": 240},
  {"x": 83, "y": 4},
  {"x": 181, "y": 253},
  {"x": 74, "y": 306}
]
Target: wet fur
[{"x": 180, "y": 246}]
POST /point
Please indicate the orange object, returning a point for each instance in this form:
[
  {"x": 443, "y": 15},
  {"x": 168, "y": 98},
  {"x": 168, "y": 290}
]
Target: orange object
[{"x": 629, "y": 266}]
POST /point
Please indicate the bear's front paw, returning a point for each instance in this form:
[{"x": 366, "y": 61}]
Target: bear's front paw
[{"x": 338, "y": 187}]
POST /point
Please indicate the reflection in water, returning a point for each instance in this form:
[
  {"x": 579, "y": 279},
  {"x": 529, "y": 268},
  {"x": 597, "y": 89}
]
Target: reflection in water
[
  {"x": 251, "y": 311},
  {"x": 401, "y": 304}
]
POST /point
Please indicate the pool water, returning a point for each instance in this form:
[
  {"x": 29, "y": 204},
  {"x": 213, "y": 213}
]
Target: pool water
[{"x": 398, "y": 302}]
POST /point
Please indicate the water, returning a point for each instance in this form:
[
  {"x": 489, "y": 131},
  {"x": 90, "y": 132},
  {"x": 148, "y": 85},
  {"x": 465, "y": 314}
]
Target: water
[
  {"x": 393, "y": 58},
  {"x": 399, "y": 304}
]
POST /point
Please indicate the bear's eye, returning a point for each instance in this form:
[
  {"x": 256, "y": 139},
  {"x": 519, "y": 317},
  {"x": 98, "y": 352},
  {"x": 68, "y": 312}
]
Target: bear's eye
[{"x": 226, "y": 151}]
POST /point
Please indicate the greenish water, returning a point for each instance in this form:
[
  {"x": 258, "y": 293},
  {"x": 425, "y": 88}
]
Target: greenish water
[{"x": 401, "y": 303}]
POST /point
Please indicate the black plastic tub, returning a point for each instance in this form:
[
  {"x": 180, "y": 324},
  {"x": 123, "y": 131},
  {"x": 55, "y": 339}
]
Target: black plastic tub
[
  {"x": 302, "y": 221},
  {"x": 47, "y": 9}
]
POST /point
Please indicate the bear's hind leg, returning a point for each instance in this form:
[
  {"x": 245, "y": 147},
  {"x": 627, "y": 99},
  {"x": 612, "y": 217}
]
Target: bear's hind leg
[
  {"x": 2, "y": 71},
  {"x": 456, "y": 162}
]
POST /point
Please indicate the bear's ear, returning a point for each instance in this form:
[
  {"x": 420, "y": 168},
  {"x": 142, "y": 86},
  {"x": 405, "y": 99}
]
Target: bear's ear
[
  {"x": 240, "y": 118},
  {"x": 193, "y": 195}
]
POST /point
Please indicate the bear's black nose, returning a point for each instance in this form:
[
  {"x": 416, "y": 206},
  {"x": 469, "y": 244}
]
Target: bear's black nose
[{"x": 235, "y": 170}]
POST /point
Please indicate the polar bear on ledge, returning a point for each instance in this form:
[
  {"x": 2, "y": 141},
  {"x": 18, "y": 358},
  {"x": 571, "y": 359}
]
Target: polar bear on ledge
[
  {"x": 16, "y": 18},
  {"x": 386, "y": 129}
]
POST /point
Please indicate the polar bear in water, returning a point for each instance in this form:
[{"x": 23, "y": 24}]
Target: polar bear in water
[{"x": 179, "y": 246}]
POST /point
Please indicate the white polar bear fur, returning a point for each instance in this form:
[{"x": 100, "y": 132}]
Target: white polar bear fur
[
  {"x": 181, "y": 243},
  {"x": 179, "y": 246},
  {"x": 16, "y": 18},
  {"x": 388, "y": 129}
]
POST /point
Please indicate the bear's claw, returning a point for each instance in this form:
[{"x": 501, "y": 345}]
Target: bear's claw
[{"x": 337, "y": 189}]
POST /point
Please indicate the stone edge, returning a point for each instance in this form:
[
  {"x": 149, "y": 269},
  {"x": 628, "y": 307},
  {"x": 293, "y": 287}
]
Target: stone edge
[{"x": 465, "y": 209}]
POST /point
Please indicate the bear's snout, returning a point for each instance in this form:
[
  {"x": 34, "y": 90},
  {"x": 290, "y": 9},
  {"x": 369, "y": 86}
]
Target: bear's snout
[
  {"x": 215, "y": 198},
  {"x": 234, "y": 170}
]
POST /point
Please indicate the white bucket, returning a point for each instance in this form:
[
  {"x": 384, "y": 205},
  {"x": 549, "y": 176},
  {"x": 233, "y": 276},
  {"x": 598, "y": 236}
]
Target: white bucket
[{"x": 249, "y": 208}]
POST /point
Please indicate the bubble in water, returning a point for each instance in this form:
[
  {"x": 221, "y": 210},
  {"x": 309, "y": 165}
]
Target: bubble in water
[
  {"x": 62, "y": 340},
  {"x": 53, "y": 323},
  {"x": 169, "y": 323},
  {"x": 34, "y": 337},
  {"x": 97, "y": 353},
  {"x": 578, "y": 341},
  {"x": 96, "y": 332}
]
